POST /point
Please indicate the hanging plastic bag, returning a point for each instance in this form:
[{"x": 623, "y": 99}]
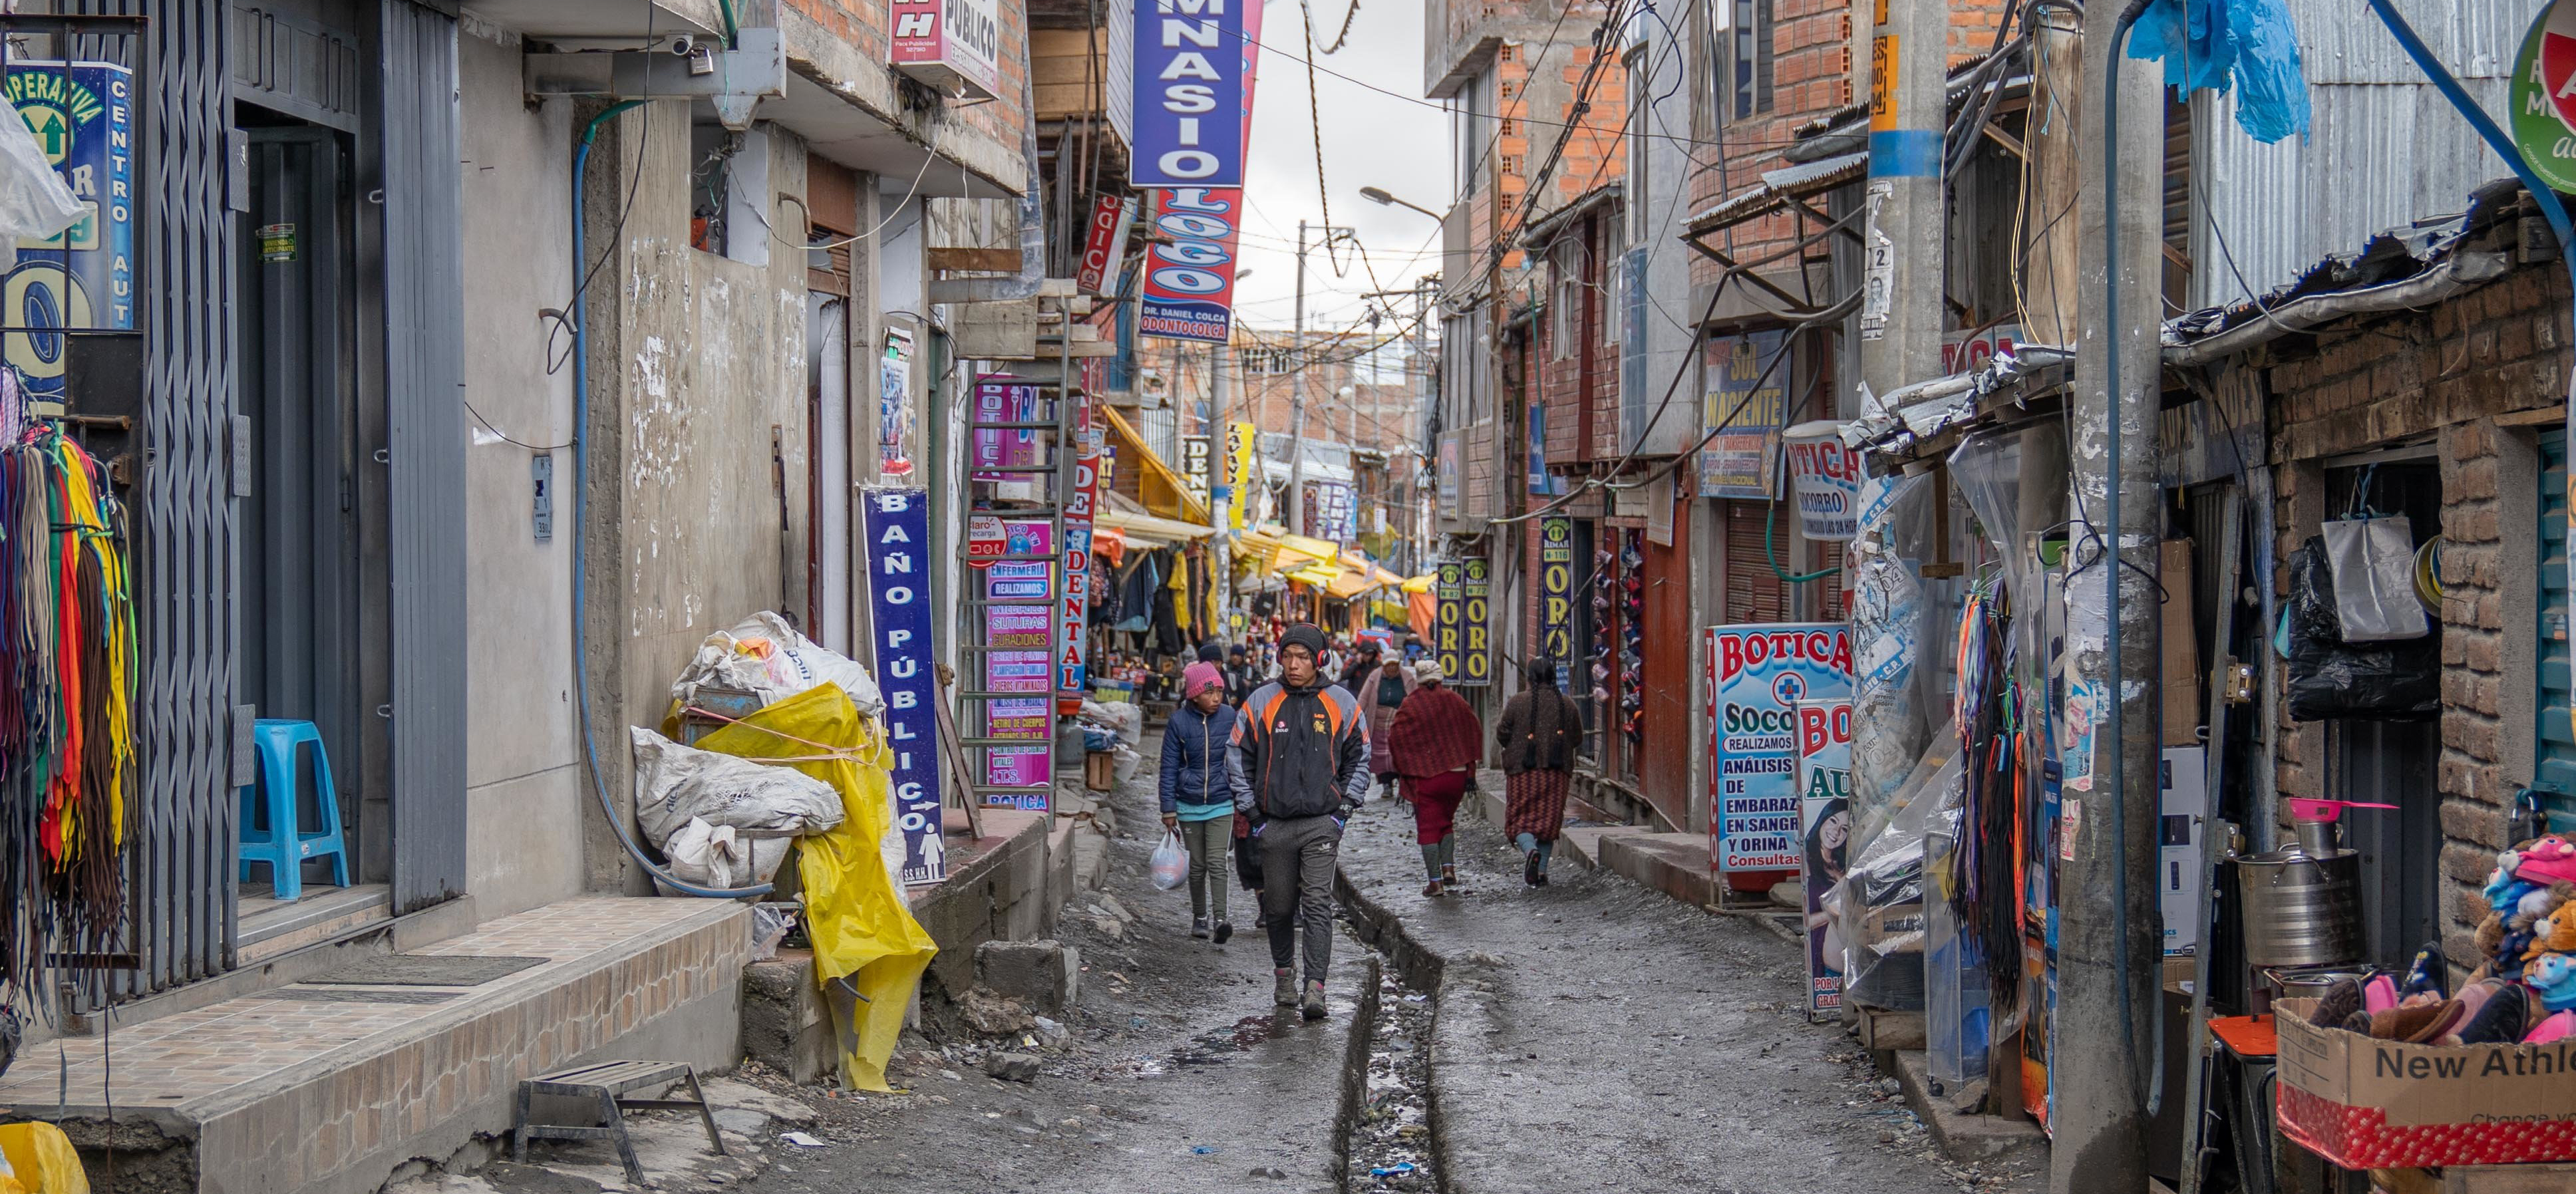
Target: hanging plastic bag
[
  {"x": 35, "y": 205},
  {"x": 2373, "y": 562},
  {"x": 2399, "y": 681},
  {"x": 1170, "y": 864}
]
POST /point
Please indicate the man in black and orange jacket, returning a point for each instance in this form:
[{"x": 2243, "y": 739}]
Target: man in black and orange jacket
[{"x": 1299, "y": 763}]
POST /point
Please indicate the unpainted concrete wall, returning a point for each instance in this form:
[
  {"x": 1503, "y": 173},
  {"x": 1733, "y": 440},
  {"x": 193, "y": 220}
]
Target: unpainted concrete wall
[
  {"x": 523, "y": 762},
  {"x": 698, "y": 404}
]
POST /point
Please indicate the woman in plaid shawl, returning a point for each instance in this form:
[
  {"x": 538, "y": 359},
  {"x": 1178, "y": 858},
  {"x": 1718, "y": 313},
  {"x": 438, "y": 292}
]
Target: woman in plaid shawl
[{"x": 1437, "y": 743}]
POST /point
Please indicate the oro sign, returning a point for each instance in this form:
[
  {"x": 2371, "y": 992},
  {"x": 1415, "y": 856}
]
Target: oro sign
[{"x": 2544, "y": 97}]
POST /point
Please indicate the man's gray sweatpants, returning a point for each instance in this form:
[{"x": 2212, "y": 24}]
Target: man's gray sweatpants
[{"x": 1297, "y": 858}]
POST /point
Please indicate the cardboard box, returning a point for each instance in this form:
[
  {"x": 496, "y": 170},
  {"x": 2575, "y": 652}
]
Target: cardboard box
[
  {"x": 2182, "y": 804},
  {"x": 2371, "y": 1104}
]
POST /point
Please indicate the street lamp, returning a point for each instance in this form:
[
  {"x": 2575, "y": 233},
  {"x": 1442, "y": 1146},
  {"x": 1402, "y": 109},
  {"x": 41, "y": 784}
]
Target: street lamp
[{"x": 1378, "y": 195}]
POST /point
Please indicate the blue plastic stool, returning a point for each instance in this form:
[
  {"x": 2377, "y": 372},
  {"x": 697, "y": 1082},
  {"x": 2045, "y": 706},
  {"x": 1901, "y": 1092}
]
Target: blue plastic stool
[{"x": 284, "y": 847}]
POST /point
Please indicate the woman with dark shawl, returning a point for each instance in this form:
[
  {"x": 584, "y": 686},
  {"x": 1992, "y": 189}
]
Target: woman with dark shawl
[{"x": 1537, "y": 737}]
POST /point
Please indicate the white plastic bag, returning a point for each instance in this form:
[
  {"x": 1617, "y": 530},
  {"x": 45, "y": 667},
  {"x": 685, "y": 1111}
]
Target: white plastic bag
[
  {"x": 766, "y": 657},
  {"x": 35, "y": 204},
  {"x": 2373, "y": 562},
  {"x": 1124, "y": 763},
  {"x": 676, "y": 784},
  {"x": 1171, "y": 863}
]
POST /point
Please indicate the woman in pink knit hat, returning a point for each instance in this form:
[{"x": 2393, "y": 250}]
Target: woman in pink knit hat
[{"x": 1198, "y": 800}]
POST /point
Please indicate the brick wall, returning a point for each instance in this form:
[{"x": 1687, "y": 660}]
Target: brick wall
[
  {"x": 2482, "y": 371},
  {"x": 1580, "y": 388}
]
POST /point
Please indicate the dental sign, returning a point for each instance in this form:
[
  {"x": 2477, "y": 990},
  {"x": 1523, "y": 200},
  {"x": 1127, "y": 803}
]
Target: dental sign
[
  {"x": 951, "y": 45},
  {"x": 1189, "y": 93}
]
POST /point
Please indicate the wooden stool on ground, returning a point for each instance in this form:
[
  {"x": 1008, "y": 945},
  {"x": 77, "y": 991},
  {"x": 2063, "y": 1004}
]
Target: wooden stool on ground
[{"x": 606, "y": 1083}]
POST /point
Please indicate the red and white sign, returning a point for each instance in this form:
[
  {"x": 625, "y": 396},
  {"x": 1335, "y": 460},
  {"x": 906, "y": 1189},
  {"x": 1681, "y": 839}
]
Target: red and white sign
[
  {"x": 1111, "y": 215},
  {"x": 951, "y": 45},
  {"x": 985, "y": 539},
  {"x": 1961, "y": 352}
]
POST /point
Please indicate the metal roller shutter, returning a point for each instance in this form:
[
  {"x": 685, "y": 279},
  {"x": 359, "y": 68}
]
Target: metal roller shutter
[{"x": 2553, "y": 772}]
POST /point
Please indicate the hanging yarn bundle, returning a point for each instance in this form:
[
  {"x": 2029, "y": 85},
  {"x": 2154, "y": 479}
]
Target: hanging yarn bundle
[{"x": 67, "y": 643}]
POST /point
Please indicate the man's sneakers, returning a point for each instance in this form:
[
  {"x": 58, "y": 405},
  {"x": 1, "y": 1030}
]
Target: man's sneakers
[
  {"x": 1283, "y": 988},
  {"x": 1198, "y": 926},
  {"x": 1314, "y": 1006},
  {"x": 1224, "y": 930}
]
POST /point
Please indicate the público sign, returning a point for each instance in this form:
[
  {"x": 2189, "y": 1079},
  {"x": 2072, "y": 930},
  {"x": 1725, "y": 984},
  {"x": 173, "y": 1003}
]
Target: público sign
[
  {"x": 1188, "y": 93},
  {"x": 82, "y": 116},
  {"x": 1760, "y": 673},
  {"x": 897, "y": 524},
  {"x": 952, "y": 45},
  {"x": 2544, "y": 97}
]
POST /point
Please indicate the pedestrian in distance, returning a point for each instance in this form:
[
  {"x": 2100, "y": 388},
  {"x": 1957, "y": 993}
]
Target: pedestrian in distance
[
  {"x": 1535, "y": 741},
  {"x": 1198, "y": 797},
  {"x": 1299, "y": 763},
  {"x": 1362, "y": 667},
  {"x": 1436, "y": 743},
  {"x": 1380, "y": 695}
]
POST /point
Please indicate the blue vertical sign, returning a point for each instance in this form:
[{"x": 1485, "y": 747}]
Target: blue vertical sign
[
  {"x": 897, "y": 524},
  {"x": 1188, "y": 93},
  {"x": 82, "y": 116}
]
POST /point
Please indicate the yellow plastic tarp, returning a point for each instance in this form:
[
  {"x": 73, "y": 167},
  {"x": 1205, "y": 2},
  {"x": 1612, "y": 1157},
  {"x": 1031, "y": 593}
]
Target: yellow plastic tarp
[
  {"x": 41, "y": 1161},
  {"x": 865, "y": 939}
]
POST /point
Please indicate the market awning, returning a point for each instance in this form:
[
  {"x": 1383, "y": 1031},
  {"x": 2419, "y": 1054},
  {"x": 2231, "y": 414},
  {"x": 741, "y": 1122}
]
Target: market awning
[
  {"x": 1162, "y": 491},
  {"x": 1320, "y": 574},
  {"x": 1420, "y": 584},
  {"x": 1150, "y": 531}
]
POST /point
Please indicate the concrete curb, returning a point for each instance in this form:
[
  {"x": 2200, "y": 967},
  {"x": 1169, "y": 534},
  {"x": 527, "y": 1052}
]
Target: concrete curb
[
  {"x": 1962, "y": 1137},
  {"x": 1355, "y": 1059}
]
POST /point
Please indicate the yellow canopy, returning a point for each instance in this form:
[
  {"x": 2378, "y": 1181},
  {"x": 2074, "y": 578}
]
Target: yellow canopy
[
  {"x": 1150, "y": 530},
  {"x": 1420, "y": 584},
  {"x": 1163, "y": 491},
  {"x": 1320, "y": 574}
]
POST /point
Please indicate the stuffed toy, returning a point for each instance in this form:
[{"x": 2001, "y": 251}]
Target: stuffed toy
[
  {"x": 2553, "y": 934},
  {"x": 2539, "y": 902},
  {"x": 2553, "y": 978},
  {"x": 2508, "y": 955},
  {"x": 2503, "y": 891},
  {"x": 2546, "y": 860},
  {"x": 2490, "y": 935},
  {"x": 2554, "y": 1027}
]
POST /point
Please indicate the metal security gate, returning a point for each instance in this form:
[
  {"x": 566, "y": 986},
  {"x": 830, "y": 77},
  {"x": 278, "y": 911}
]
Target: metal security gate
[
  {"x": 425, "y": 448},
  {"x": 180, "y": 881}
]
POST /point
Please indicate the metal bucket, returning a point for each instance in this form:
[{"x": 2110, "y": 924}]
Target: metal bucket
[{"x": 2301, "y": 909}]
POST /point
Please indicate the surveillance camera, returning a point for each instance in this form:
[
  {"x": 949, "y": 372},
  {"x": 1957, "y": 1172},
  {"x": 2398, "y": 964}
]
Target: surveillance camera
[{"x": 682, "y": 44}]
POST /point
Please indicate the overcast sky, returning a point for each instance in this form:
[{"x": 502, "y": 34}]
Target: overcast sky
[{"x": 1370, "y": 139}]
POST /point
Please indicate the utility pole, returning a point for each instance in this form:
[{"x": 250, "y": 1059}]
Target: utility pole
[
  {"x": 1902, "y": 252},
  {"x": 2107, "y": 945},
  {"x": 1296, "y": 519}
]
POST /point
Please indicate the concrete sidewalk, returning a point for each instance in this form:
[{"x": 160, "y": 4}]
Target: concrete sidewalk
[{"x": 1597, "y": 1035}]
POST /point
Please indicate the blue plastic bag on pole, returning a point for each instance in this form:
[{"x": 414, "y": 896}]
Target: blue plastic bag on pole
[{"x": 2213, "y": 43}]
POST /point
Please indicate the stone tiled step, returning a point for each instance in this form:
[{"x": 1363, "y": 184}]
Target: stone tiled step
[{"x": 308, "y": 1089}]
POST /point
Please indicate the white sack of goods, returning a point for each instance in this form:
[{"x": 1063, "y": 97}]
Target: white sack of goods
[
  {"x": 686, "y": 797},
  {"x": 765, "y": 656}
]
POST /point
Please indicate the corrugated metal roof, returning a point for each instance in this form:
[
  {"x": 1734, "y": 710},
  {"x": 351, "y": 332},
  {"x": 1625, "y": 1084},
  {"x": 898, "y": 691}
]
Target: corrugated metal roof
[
  {"x": 2384, "y": 148},
  {"x": 1777, "y": 188}
]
